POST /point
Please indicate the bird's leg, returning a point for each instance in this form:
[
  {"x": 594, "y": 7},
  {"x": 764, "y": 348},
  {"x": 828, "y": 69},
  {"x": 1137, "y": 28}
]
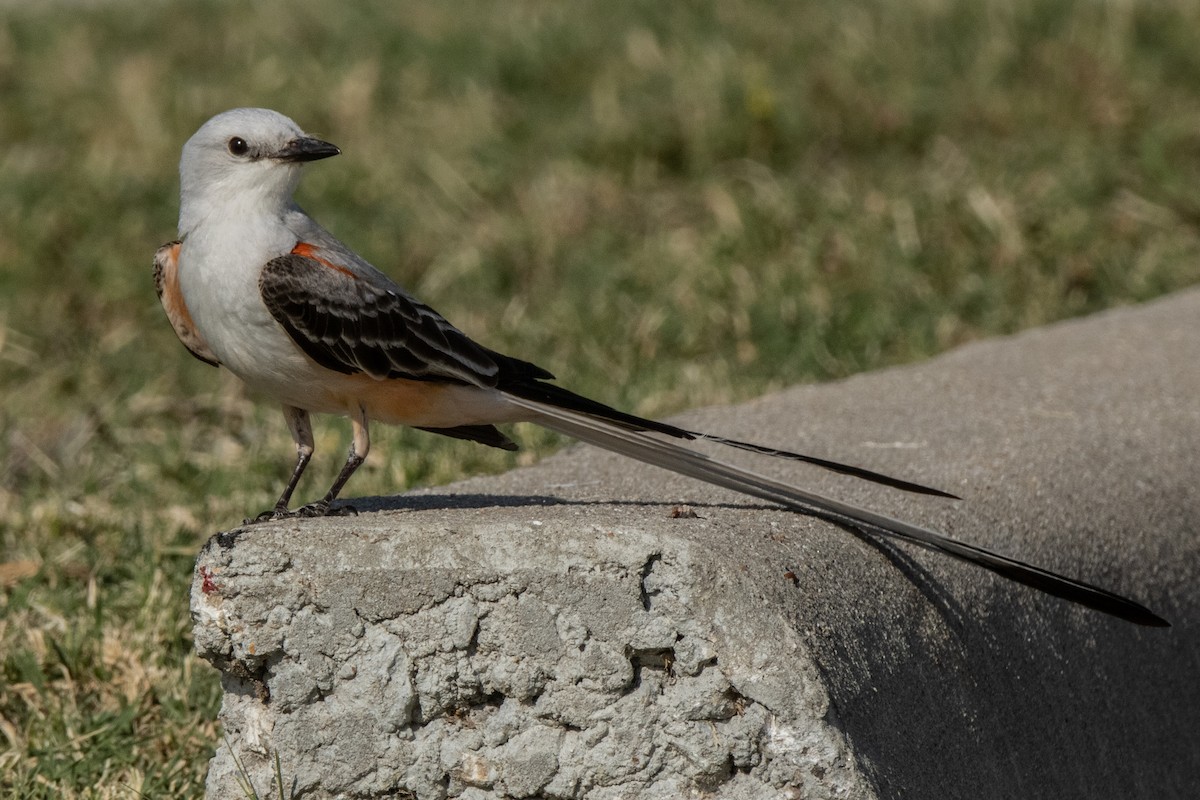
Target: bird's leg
[
  {"x": 360, "y": 445},
  {"x": 301, "y": 428}
]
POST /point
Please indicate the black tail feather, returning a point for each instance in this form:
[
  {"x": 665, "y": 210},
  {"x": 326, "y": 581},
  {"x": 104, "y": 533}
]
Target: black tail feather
[
  {"x": 566, "y": 399},
  {"x": 484, "y": 434},
  {"x": 632, "y": 440}
]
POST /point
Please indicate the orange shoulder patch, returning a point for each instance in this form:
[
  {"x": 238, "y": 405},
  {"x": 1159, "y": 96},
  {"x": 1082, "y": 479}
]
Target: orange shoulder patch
[{"x": 310, "y": 251}]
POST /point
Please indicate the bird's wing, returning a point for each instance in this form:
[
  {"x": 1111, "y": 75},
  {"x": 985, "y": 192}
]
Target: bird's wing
[
  {"x": 349, "y": 317},
  {"x": 166, "y": 286}
]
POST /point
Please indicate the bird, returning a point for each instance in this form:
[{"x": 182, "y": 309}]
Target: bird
[{"x": 255, "y": 285}]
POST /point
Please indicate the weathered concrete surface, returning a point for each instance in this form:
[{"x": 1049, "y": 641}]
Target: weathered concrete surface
[{"x": 559, "y": 632}]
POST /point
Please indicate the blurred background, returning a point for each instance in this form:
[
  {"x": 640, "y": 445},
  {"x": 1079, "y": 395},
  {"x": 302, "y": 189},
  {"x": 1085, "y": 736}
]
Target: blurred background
[{"x": 666, "y": 204}]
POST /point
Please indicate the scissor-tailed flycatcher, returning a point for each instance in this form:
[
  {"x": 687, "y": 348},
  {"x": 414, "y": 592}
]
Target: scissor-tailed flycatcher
[{"x": 257, "y": 286}]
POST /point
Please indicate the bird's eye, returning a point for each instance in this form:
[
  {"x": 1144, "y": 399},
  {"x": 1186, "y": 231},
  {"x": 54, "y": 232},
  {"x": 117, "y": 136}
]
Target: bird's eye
[{"x": 238, "y": 146}]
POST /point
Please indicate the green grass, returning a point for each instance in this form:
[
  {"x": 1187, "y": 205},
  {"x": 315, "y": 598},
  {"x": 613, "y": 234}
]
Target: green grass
[{"x": 667, "y": 204}]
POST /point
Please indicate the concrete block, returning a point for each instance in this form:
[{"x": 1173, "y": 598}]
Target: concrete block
[{"x": 563, "y": 632}]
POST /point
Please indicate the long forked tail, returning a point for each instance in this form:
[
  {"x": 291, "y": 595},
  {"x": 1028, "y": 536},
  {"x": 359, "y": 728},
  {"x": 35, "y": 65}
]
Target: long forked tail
[
  {"x": 634, "y": 441},
  {"x": 547, "y": 394}
]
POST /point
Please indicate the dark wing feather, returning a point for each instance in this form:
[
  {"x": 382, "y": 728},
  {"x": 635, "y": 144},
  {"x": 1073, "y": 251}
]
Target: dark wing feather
[{"x": 359, "y": 323}]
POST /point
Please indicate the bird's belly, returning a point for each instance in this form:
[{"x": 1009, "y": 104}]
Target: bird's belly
[{"x": 269, "y": 363}]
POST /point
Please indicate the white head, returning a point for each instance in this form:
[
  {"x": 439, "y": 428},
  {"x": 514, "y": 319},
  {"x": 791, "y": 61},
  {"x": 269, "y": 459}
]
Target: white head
[{"x": 241, "y": 162}]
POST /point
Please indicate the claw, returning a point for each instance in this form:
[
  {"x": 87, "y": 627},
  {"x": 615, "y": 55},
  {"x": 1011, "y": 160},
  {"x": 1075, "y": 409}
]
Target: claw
[
  {"x": 278, "y": 512},
  {"x": 320, "y": 508},
  {"x": 317, "y": 509}
]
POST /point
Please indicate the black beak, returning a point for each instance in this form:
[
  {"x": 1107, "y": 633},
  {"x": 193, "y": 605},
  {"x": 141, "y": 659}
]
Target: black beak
[{"x": 306, "y": 148}]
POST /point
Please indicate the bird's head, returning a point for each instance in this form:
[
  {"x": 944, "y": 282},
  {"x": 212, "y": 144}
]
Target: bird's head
[{"x": 244, "y": 156}]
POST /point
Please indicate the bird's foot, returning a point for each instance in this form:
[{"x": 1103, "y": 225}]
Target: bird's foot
[
  {"x": 320, "y": 508},
  {"x": 317, "y": 509},
  {"x": 278, "y": 512}
]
